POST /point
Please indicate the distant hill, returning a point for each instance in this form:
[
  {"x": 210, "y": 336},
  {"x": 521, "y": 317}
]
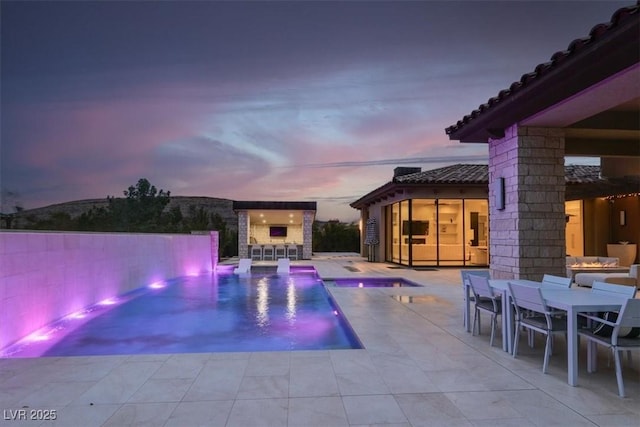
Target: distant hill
[{"x": 223, "y": 207}]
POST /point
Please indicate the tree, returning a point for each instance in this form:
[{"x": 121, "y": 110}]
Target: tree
[
  {"x": 228, "y": 239},
  {"x": 95, "y": 219},
  {"x": 201, "y": 219},
  {"x": 335, "y": 236},
  {"x": 141, "y": 210},
  {"x": 55, "y": 221}
]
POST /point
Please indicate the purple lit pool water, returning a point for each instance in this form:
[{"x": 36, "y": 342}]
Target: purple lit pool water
[
  {"x": 212, "y": 313},
  {"x": 377, "y": 282}
]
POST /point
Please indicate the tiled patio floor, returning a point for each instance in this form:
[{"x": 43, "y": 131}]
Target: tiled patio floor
[{"x": 419, "y": 368}]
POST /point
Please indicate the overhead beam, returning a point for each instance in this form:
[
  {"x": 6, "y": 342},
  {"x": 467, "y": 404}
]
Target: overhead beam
[
  {"x": 621, "y": 120},
  {"x": 601, "y": 147}
]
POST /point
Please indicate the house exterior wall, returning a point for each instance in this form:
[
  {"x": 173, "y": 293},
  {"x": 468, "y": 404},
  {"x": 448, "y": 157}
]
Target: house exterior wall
[
  {"x": 619, "y": 166},
  {"x": 528, "y": 235},
  {"x": 630, "y": 230}
]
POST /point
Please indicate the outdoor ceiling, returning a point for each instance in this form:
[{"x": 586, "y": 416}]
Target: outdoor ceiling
[
  {"x": 275, "y": 217},
  {"x": 602, "y": 121}
]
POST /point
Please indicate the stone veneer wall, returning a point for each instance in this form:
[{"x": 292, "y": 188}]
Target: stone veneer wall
[
  {"x": 527, "y": 238},
  {"x": 307, "y": 234},
  {"x": 45, "y": 276},
  {"x": 243, "y": 234}
]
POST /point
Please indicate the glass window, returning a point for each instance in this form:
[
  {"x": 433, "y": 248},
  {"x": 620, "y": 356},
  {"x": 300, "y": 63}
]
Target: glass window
[
  {"x": 431, "y": 232},
  {"x": 395, "y": 232},
  {"x": 574, "y": 228},
  {"x": 476, "y": 232},
  {"x": 450, "y": 232},
  {"x": 404, "y": 243},
  {"x": 423, "y": 230}
]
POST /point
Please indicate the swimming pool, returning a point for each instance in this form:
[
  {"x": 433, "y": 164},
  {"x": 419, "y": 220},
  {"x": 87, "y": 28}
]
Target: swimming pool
[
  {"x": 209, "y": 313},
  {"x": 371, "y": 282}
]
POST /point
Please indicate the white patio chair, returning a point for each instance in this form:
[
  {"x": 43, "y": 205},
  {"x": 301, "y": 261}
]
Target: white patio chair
[
  {"x": 484, "y": 300},
  {"x": 533, "y": 314},
  {"x": 614, "y": 289},
  {"x": 464, "y": 275},
  {"x": 557, "y": 280},
  {"x": 244, "y": 266},
  {"x": 621, "y": 339},
  {"x": 605, "y": 288},
  {"x": 283, "y": 266}
]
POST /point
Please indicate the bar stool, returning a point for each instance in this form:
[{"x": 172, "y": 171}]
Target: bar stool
[
  {"x": 292, "y": 251},
  {"x": 267, "y": 253},
  {"x": 256, "y": 253},
  {"x": 281, "y": 252}
]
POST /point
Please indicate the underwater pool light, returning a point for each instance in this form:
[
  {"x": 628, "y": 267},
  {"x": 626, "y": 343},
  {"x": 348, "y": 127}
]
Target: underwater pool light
[
  {"x": 38, "y": 336},
  {"x": 158, "y": 285},
  {"x": 77, "y": 315}
]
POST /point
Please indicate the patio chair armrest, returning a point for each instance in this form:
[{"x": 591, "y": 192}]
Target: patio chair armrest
[
  {"x": 598, "y": 319},
  {"x": 590, "y": 316},
  {"x": 558, "y": 313}
]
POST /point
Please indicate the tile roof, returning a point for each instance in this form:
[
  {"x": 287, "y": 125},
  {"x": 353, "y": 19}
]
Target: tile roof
[
  {"x": 479, "y": 174},
  {"x": 626, "y": 16},
  {"x": 582, "y": 174},
  {"x": 583, "y": 181},
  {"x": 454, "y": 174}
]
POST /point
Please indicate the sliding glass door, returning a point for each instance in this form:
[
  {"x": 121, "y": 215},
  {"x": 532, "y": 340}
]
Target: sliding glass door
[{"x": 438, "y": 232}]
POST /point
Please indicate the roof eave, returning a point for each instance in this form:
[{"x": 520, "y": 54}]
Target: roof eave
[{"x": 592, "y": 64}]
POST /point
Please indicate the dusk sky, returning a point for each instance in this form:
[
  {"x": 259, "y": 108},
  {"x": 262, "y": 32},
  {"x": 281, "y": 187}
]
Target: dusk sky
[{"x": 292, "y": 101}]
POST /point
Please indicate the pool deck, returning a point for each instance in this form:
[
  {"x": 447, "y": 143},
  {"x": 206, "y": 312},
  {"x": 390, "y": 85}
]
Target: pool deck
[{"x": 419, "y": 368}]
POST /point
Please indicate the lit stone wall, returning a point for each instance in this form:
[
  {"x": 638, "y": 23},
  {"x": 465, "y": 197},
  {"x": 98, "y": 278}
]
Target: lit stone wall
[
  {"x": 307, "y": 234},
  {"x": 45, "y": 276},
  {"x": 243, "y": 234},
  {"x": 527, "y": 238}
]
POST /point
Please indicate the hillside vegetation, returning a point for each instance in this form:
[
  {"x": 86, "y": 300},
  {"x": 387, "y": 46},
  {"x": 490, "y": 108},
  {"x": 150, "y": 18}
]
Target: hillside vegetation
[{"x": 143, "y": 209}]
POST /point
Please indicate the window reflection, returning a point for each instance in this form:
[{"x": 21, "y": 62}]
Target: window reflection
[
  {"x": 291, "y": 301},
  {"x": 262, "y": 303}
]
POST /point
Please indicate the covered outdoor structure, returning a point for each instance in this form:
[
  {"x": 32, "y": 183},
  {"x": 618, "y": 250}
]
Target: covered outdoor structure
[
  {"x": 584, "y": 102},
  {"x": 266, "y": 228}
]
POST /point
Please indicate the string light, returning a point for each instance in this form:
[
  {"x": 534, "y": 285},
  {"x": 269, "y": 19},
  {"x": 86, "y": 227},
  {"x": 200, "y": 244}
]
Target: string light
[{"x": 622, "y": 196}]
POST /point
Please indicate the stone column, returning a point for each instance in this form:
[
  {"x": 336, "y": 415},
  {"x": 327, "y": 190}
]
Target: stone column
[
  {"x": 243, "y": 234},
  {"x": 307, "y": 234},
  {"x": 527, "y": 237}
]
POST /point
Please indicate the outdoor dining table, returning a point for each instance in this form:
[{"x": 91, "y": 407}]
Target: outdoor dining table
[{"x": 571, "y": 300}]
